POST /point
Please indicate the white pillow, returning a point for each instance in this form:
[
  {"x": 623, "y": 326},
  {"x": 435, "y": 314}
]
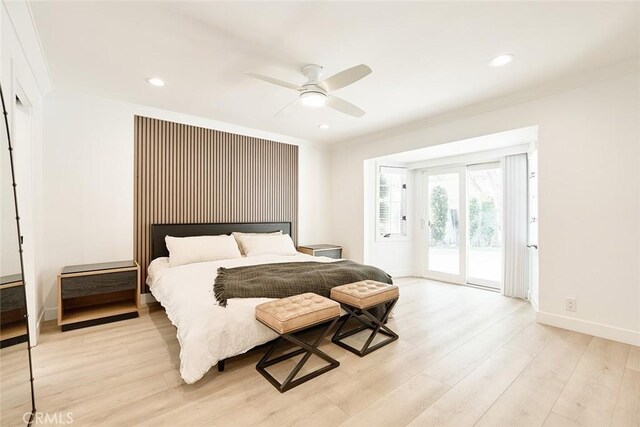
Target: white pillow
[
  {"x": 156, "y": 269},
  {"x": 189, "y": 250},
  {"x": 262, "y": 244},
  {"x": 235, "y": 234}
]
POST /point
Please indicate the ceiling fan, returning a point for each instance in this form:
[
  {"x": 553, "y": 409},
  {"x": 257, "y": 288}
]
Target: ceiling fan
[{"x": 314, "y": 92}]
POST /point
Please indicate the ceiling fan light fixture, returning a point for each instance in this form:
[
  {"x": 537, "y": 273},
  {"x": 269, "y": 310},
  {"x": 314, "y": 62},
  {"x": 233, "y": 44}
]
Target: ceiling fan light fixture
[
  {"x": 313, "y": 93},
  {"x": 313, "y": 99}
]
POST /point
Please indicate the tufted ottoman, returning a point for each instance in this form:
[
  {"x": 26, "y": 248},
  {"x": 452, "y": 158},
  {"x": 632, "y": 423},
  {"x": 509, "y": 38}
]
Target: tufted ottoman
[
  {"x": 356, "y": 299},
  {"x": 294, "y": 314}
]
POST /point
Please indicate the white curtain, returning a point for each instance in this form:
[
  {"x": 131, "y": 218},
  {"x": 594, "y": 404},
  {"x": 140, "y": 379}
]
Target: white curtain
[{"x": 515, "y": 280}]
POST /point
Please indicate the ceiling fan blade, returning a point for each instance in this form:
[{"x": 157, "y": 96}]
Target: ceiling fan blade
[
  {"x": 344, "y": 106},
  {"x": 273, "y": 81},
  {"x": 280, "y": 111},
  {"x": 346, "y": 77}
]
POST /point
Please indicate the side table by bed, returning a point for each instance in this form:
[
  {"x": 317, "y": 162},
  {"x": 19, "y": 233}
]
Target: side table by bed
[
  {"x": 331, "y": 251},
  {"x": 93, "y": 294},
  {"x": 13, "y": 326}
]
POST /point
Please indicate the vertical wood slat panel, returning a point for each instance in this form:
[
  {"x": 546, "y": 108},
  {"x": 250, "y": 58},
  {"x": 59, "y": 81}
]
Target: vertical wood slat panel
[{"x": 186, "y": 174}]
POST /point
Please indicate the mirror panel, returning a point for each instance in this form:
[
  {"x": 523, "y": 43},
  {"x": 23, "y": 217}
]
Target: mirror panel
[{"x": 15, "y": 374}]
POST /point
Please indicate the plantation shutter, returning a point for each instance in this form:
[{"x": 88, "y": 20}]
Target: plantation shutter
[{"x": 392, "y": 201}]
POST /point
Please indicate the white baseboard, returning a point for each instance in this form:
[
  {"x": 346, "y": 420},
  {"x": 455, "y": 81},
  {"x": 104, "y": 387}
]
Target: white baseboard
[
  {"x": 400, "y": 273},
  {"x": 626, "y": 336},
  {"x": 38, "y": 328}
]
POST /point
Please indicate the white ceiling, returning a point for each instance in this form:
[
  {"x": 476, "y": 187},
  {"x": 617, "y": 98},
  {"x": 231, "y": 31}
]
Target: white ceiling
[{"x": 427, "y": 58}]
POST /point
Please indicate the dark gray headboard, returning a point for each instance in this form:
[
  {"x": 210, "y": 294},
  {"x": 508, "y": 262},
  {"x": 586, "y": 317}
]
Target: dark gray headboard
[{"x": 160, "y": 231}]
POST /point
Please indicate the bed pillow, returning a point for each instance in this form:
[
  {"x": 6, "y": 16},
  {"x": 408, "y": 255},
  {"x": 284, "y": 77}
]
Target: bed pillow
[
  {"x": 189, "y": 250},
  {"x": 235, "y": 234},
  {"x": 266, "y": 244}
]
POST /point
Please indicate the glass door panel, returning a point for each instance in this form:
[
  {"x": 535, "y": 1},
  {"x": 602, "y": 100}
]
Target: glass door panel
[
  {"x": 484, "y": 201},
  {"x": 444, "y": 237}
]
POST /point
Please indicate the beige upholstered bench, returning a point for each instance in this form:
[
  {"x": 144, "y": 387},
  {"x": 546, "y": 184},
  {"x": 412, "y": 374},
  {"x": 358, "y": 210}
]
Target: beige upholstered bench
[
  {"x": 357, "y": 299},
  {"x": 289, "y": 315}
]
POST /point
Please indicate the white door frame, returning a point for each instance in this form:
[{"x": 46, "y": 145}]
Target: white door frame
[{"x": 461, "y": 277}]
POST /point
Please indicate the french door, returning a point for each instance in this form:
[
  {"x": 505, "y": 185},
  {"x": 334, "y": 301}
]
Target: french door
[
  {"x": 462, "y": 236},
  {"x": 445, "y": 230},
  {"x": 484, "y": 213}
]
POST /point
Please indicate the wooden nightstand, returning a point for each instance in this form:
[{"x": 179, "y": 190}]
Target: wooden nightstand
[
  {"x": 13, "y": 309},
  {"x": 331, "y": 251},
  {"x": 93, "y": 294}
]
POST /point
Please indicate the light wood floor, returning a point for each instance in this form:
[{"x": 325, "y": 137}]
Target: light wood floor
[{"x": 465, "y": 357}]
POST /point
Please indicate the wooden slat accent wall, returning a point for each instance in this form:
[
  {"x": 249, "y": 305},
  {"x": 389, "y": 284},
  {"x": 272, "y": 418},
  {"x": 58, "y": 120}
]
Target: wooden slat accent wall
[{"x": 186, "y": 174}]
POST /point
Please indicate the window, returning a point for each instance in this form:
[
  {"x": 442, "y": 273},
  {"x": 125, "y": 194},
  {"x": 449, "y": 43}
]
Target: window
[{"x": 391, "y": 203}]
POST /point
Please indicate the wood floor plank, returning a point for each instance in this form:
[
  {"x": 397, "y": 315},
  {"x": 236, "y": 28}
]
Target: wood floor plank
[
  {"x": 474, "y": 319},
  {"x": 468, "y": 400},
  {"x": 589, "y": 396},
  {"x": 166, "y": 404},
  {"x": 83, "y": 409},
  {"x": 627, "y": 412},
  {"x": 555, "y": 420},
  {"x": 633, "y": 362},
  {"x": 408, "y": 401},
  {"x": 529, "y": 399},
  {"x": 443, "y": 317},
  {"x": 533, "y": 339},
  {"x": 466, "y": 357},
  {"x": 318, "y": 412},
  {"x": 383, "y": 378}
]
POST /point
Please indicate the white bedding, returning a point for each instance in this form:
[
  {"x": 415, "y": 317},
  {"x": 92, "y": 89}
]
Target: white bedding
[{"x": 207, "y": 332}]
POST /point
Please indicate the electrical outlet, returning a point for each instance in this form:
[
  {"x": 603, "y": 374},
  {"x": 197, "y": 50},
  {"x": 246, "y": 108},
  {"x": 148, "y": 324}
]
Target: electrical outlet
[{"x": 570, "y": 304}]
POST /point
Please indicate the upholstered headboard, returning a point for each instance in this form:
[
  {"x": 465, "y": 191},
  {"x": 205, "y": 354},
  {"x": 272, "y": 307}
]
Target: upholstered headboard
[{"x": 160, "y": 231}]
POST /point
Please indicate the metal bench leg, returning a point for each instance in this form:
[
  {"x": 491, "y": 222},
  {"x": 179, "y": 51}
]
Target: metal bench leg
[
  {"x": 375, "y": 325},
  {"x": 304, "y": 348}
]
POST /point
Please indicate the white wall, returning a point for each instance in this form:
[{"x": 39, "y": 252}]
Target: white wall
[
  {"x": 88, "y": 175},
  {"x": 589, "y": 190},
  {"x": 23, "y": 72}
]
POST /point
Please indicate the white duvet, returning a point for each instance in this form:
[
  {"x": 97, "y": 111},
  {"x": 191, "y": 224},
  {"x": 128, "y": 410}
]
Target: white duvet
[{"x": 207, "y": 332}]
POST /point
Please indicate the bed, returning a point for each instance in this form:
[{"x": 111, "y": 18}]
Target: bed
[{"x": 208, "y": 333}]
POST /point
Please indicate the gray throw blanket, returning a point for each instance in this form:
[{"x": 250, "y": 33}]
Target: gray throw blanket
[{"x": 291, "y": 278}]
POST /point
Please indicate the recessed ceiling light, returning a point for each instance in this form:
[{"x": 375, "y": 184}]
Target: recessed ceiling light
[
  {"x": 501, "y": 60},
  {"x": 155, "y": 81},
  {"x": 323, "y": 126}
]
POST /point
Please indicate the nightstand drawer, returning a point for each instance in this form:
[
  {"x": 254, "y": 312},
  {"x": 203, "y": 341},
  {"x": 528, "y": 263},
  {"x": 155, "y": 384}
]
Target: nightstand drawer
[
  {"x": 82, "y": 286},
  {"x": 331, "y": 253},
  {"x": 12, "y": 299}
]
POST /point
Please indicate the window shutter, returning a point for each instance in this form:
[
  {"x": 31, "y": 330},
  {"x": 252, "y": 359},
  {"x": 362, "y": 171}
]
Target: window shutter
[{"x": 392, "y": 202}]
